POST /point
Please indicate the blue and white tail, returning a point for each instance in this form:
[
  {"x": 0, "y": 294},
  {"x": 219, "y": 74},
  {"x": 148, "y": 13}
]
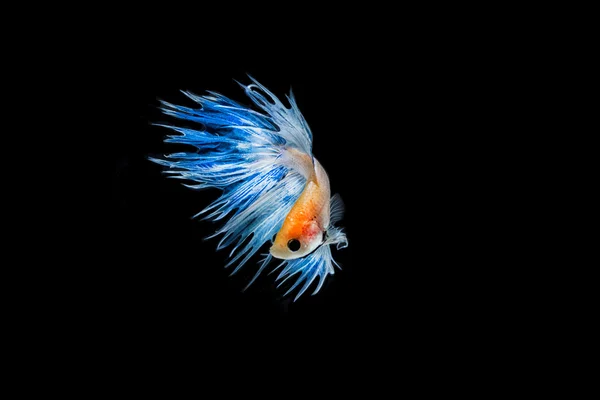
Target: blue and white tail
[{"x": 239, "y": 151}]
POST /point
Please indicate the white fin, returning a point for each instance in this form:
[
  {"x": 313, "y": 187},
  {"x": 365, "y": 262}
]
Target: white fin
[
  {"x": 336, "y": 208},
  {"x": 290, "y": 122}
]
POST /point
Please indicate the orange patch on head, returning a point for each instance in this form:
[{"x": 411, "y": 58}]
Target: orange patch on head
[{"x": 295, "y": 230}]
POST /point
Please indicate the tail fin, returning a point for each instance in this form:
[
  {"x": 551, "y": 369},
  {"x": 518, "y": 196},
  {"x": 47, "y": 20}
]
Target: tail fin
[{"x": 239, "y": 151}]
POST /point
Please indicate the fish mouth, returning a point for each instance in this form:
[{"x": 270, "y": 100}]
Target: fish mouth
[{"x": 282, "y": 254}]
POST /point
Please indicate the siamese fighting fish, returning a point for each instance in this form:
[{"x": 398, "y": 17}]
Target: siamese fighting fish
[{"x": 275, "y": 193}]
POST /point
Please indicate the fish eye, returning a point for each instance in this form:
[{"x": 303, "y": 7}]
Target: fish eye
[{"x": 294, "y": 245}]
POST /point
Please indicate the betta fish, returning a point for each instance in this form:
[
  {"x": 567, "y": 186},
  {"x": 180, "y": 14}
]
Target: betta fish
[{"x": 274, "y": 191}]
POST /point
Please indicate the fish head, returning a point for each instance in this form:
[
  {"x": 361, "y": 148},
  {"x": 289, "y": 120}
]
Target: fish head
[{"x": 296, "y": 240}]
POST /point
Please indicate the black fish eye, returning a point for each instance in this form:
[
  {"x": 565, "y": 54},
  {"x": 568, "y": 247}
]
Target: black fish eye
[{"x": 294, "y": 245}]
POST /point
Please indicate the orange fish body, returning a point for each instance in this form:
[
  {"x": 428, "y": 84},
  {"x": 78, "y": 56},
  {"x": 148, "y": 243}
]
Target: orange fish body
[{"x": 308, "y": 219}]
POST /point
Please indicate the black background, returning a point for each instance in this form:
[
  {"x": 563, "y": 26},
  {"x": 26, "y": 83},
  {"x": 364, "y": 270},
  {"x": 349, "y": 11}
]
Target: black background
[
  {"x": 395, "y": 131},
  {"x": 417, "y": 118}
]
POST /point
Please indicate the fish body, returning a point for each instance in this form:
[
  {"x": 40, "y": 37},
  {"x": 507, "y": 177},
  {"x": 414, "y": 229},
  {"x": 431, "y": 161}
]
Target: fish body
[
  {"x": 273, "y": 188},
  {"x": 309, "y": 217}
]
